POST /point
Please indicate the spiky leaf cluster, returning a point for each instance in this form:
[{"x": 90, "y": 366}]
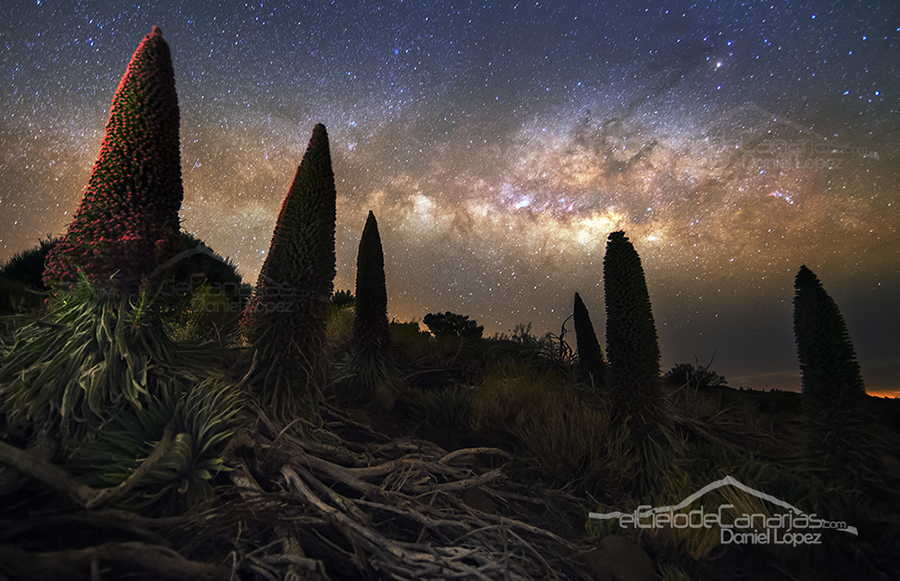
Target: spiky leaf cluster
[
  {"x": 127, "y": 222},
  {"x": 833, "y": 388},
  {"x": 286, "y": 317},
  {"x": 343, "y": 299},
  {"x": 371, "y": 331},
  {"x": 95, "y": 354},
  {"x": 632, "y": 348},
  {"x": 590, "y": 355},
  {"x": 202, "y": 420}
]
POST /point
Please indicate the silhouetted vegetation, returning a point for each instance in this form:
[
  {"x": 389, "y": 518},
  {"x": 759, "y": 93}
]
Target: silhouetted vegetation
[
  {"x": 631, "y": 343},
  {"x": 204, "y": 264},
  {"x": 450, "y": 324},
  {"x": 482, "y": 459},
  {"x": 203, "y": 295},
  {"x": 590, "y": 355},
  {"x": 343, "y": 299},
  {"x": 286, "y": 319},
  {"x": 27, "y": 267},
  {"x": 22, "y": 280},
  {"x": 696, "y": 377},
  {"x": 370, "y": 327},
  {"x": 833, "y": 390}
]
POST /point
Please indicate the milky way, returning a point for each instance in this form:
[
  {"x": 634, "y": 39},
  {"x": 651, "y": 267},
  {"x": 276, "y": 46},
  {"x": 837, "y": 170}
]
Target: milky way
[{"x": 499, "y": 144}]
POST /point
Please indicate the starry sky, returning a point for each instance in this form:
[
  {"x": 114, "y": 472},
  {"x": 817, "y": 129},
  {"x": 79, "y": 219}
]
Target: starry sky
[{"x": 499, "y": 143}]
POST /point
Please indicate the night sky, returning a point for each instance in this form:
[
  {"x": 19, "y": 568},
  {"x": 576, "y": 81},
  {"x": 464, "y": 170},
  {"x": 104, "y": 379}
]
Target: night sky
[{"x": 499, "y": 143}]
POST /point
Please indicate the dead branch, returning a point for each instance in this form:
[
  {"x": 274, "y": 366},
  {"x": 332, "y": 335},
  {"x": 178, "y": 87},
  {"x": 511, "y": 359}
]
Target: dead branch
[
  {"x": 57, "y": 478},
  {"x": 118, "y": 520},
  {"x": 465, "y": 452},
  {"x": 391, "y": 510},
  {"x": 51, "y": 565}
]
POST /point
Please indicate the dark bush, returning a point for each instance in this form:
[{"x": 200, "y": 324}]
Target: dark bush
[
  {"x": 697, "y": 377},
  {"x": 27, "y": 266},
  {"x": 343, "y": 299},
  {"x": 451, "y": 324}
]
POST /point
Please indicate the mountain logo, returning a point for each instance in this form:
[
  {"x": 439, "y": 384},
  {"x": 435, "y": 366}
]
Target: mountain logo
[{"x": 793, "y": 527}]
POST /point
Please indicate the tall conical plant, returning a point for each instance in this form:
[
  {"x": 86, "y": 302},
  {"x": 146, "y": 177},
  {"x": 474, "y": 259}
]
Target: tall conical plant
[
  {"x": 127, "y": 222},
  {"x": 285, "y": 320},
  {"x": 590, "y": 355},
  {"x": 632, "y": 348},
  {"x": 632, "y": 352},
  {"x": 102, "y": 366},
  {"x": 832, "y": 384},
  {"x": 106, "y": 343},
  {"x": 368, "y": 373},
  {"x": 371, "y": 331}
]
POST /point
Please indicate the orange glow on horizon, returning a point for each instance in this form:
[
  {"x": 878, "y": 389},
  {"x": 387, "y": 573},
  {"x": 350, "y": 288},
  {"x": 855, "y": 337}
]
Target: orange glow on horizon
[{"x": 885, "y": 393}]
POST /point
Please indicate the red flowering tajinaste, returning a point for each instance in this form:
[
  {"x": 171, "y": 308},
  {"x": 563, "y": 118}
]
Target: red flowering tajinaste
[{"x": 127, "y": 222}]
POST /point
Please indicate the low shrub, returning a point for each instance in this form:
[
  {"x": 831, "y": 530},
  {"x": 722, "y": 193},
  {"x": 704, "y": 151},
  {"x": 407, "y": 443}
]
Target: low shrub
[{"x": 448, "y": 407}]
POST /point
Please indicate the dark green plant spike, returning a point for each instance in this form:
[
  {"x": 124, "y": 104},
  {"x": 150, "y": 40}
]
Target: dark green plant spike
[
  {"x": 287, "y": 314},
  {"x": 590, "y": 355},
  {"x": 632, "y": 348},
  {"x": 300, "y": 265},
  {"x": 828, "y": 362},
  {"x": 832, "y": 384},
  {"x": 127, "y": 222},
  {"x": 371, "y": 331}
]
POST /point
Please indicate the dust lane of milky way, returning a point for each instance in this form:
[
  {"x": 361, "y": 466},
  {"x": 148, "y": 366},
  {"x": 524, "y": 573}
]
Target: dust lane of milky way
[{"x": 498, "y": 144}]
